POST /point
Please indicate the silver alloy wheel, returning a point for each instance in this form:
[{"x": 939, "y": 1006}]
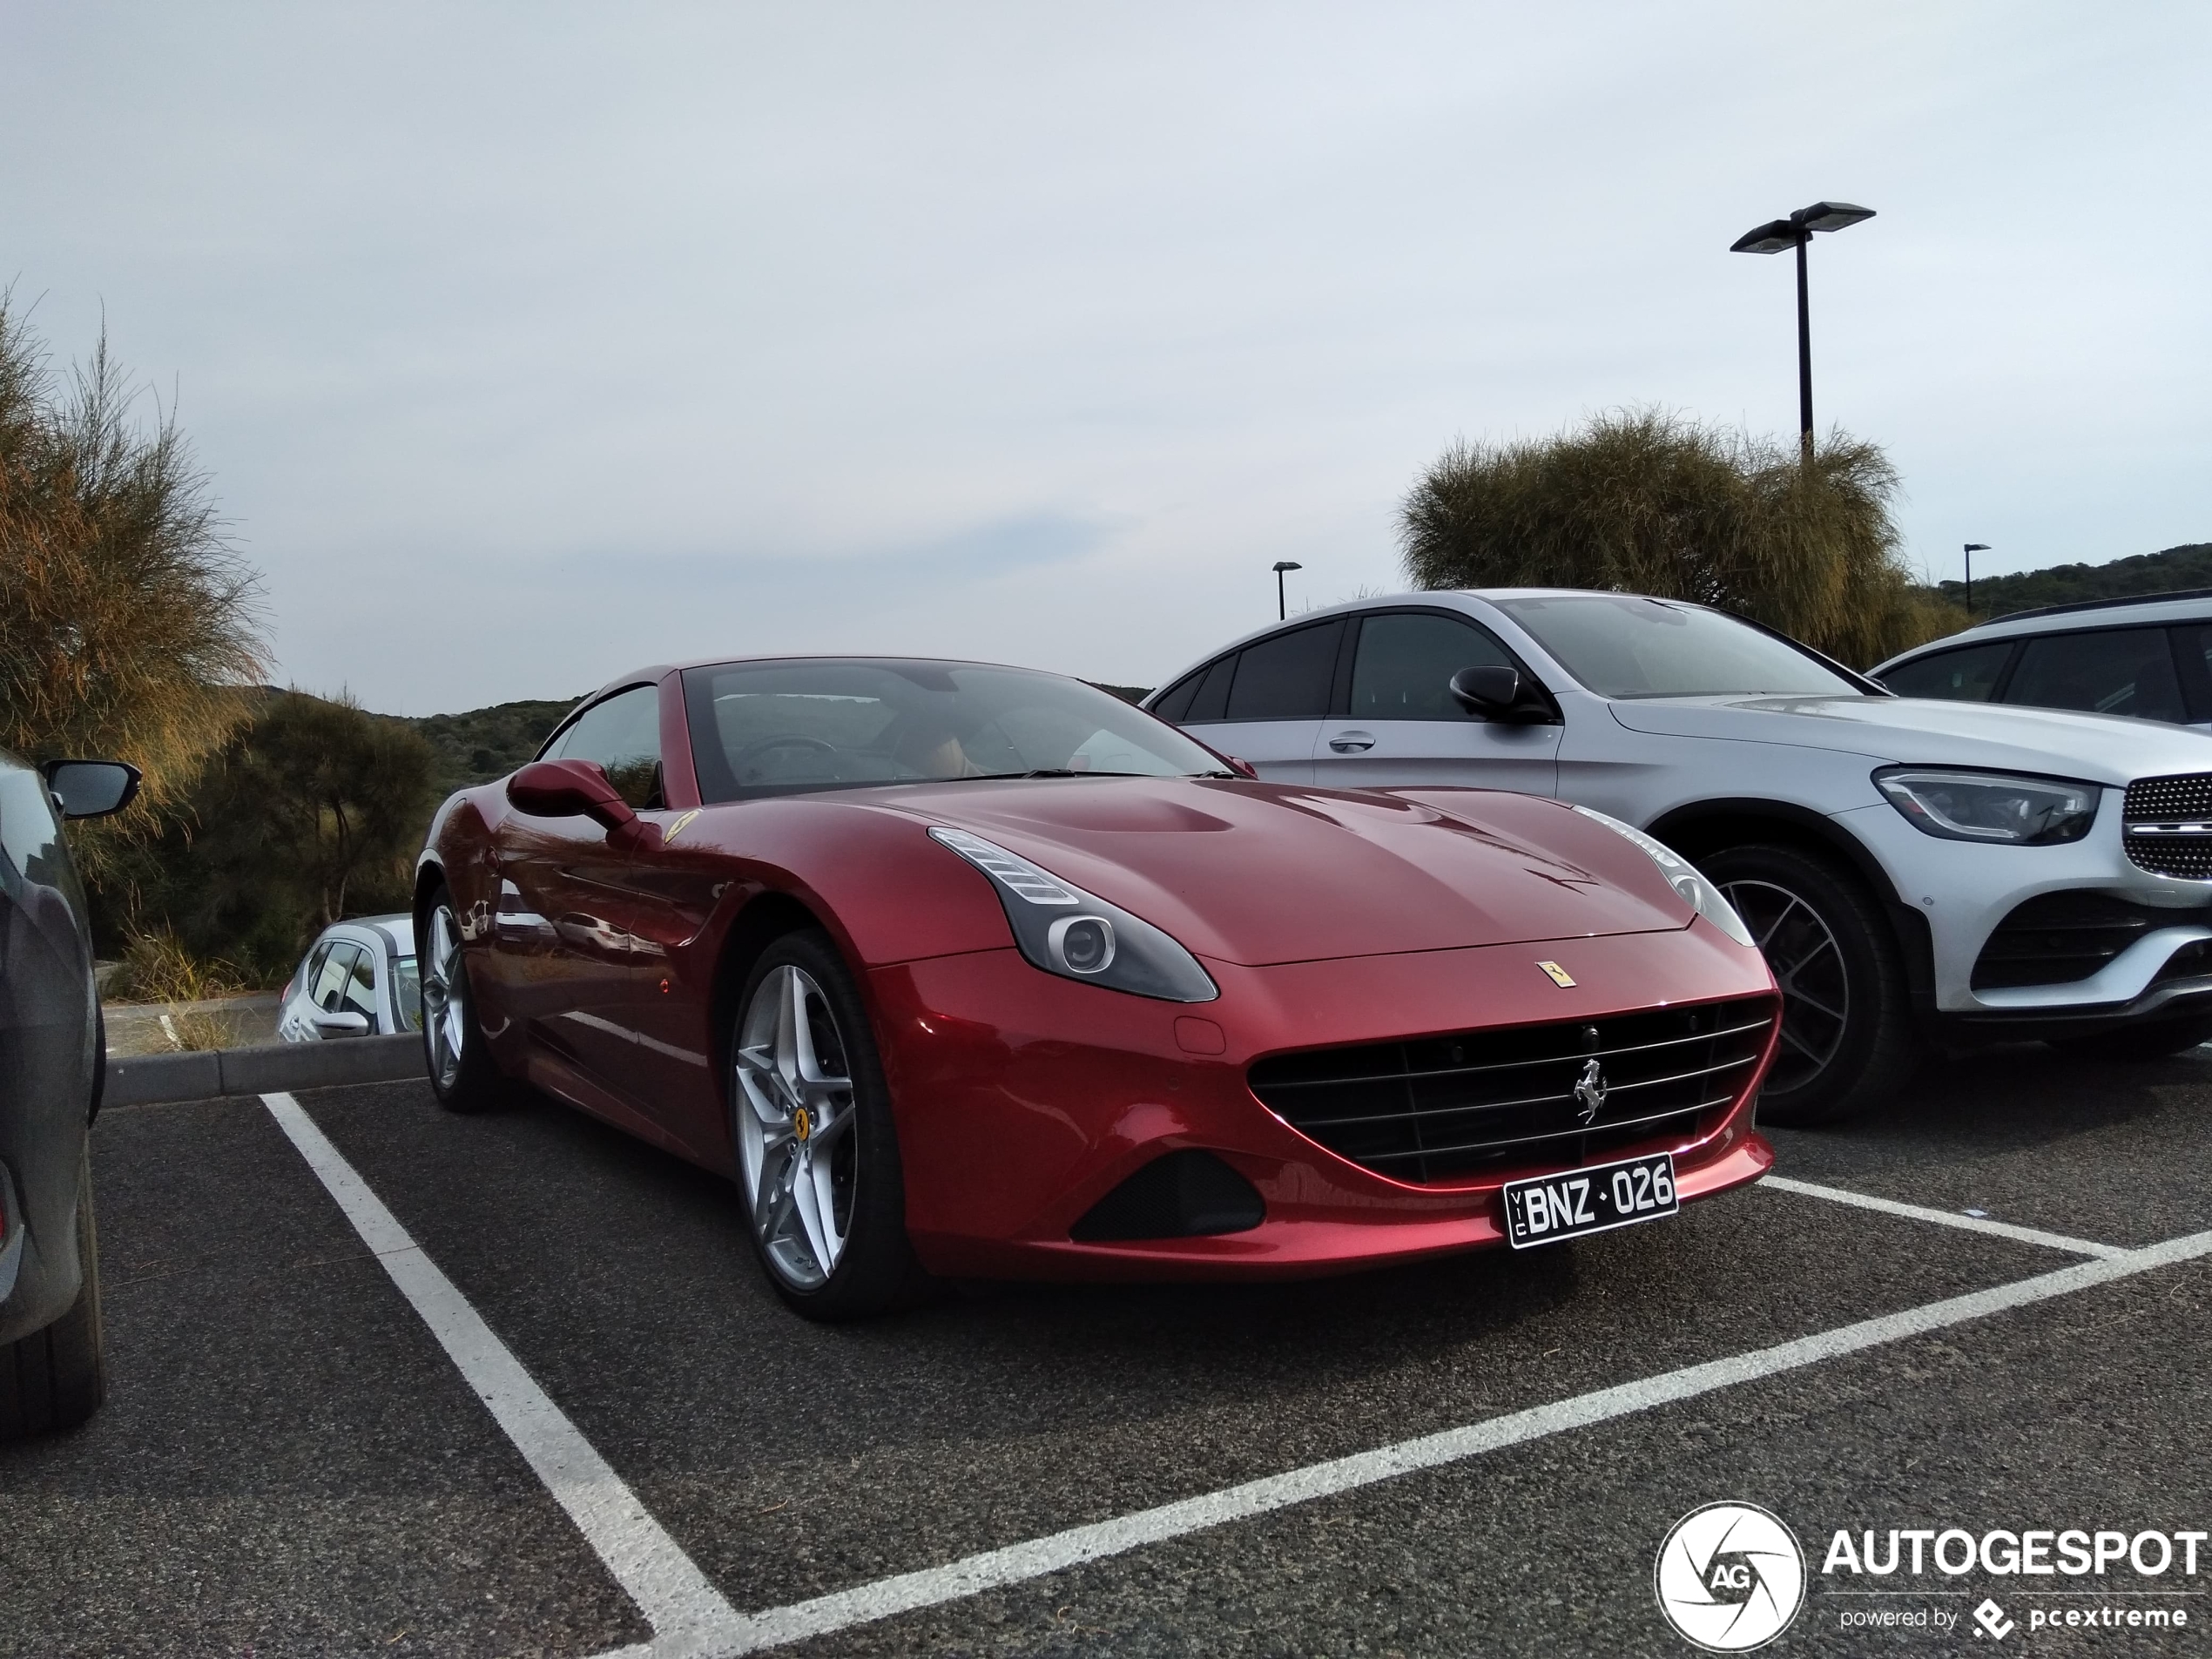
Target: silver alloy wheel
[
  {"x": 794, "y": 1108},
  {"x": 1807, "y": 963},
  {"x": 445, "y": 995}
]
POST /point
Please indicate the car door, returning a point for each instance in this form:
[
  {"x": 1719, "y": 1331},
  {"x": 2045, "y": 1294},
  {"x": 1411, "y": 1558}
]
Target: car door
[
  {"x": 1266, "y": 703},
  {"x": 563, "y": 946},
  {"x": 298, "y": 999},
  {"x": 2105, "y": 671},
  {"x": 1400, "y": 724}
]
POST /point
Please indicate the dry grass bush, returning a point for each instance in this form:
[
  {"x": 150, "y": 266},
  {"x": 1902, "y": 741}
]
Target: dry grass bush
[
  {"x": 157, "y": 967},
  {"x": 1646, "y": 500},
  {"x": 128, "y": 627}
]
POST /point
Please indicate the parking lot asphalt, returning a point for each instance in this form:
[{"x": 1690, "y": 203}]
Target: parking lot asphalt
[{"x": 291, "y": 1463}]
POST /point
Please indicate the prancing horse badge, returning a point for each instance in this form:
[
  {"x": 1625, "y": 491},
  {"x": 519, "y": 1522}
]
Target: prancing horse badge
[{"x": 1559, "y": 976}]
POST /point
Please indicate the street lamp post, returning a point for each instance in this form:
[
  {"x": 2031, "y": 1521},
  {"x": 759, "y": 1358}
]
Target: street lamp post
[
  {"x": 1282, "y": 605},
  {"x": 1797, "y": 232},
  {"x": 1972, "y": 547}
]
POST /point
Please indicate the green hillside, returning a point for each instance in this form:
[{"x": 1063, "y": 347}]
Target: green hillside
[
  {"x": 2187, "y": 566},
  {"x": 483, "y": 743}
]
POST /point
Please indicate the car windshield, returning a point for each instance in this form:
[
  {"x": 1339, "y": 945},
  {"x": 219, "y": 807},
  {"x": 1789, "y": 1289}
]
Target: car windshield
[
  {"x": 781, "y": 727},
  {"x": 1621, "y": 645},
  {"x": 406, "y": 991}
]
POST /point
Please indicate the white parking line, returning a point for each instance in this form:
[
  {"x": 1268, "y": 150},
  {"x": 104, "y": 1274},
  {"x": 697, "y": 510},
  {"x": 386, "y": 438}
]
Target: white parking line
[
  {"x": 652, "y": 1570},
  {"x": 993, "y": 1569},
  {"x": 1947, "y": 1218}
]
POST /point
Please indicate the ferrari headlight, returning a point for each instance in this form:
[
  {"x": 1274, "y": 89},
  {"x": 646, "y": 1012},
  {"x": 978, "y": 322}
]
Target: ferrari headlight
[
  {"x": 1997, "y": 806},
  {"x": 1066, "y": 931},
  {"x": 1683, "y": 876}
]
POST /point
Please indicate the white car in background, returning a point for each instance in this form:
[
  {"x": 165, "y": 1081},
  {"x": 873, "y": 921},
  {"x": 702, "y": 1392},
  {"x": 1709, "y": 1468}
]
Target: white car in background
[
  {"x": 1920, "y": 873},
  {"x": 2149, "y": 657},
  {"x": 359, "y": 979}
]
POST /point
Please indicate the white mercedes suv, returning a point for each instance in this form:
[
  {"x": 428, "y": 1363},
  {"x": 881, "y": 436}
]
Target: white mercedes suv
[{"x": 1920, "y": 873}]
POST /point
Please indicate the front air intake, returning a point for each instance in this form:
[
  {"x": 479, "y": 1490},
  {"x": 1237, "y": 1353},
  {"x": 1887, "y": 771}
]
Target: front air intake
[{"x": 1185, "y": 1195}]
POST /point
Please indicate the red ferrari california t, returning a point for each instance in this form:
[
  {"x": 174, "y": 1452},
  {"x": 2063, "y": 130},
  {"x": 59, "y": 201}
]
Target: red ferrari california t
[{"x": 978, "y": 971}]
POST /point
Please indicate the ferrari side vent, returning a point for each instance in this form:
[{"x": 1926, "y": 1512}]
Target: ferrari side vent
[
  {"x": 1515, "y": 1097},
  {"x": 1184, "y": 1194}
]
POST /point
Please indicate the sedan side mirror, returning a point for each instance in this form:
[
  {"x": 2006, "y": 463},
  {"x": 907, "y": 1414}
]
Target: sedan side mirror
[
  {"x": 577, "y": 789},
  {"x": 92, "y": 788},
  {"x": 1502, "y": 694},
  {"x": 343, "y": 1023}
]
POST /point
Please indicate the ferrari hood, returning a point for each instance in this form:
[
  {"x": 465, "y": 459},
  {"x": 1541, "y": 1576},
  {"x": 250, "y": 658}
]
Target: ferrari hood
[
  {"x": 1259, "y": 873},
  {"x": 2096, "y": 748}
]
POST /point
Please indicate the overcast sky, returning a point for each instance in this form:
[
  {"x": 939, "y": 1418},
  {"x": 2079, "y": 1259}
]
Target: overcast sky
[{"x": 527, "y": 344}]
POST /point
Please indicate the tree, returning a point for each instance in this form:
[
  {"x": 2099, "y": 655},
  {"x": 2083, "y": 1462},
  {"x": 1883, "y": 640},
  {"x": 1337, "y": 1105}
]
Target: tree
[
  {"x": 1650, "y": 501},
  {"x": 128, "y": 627},
  {"x": 313, "y": 812}
]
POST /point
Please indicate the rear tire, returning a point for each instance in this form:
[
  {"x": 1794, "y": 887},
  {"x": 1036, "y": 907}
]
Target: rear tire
[
  {"x": 56, "y": 1378},
  {"x": 817, "y": 1152},
  {"x": 1847, "y": 1036},
  {"x": 463, "y": 1075},
  {"x": 2160, "y": 1042}
]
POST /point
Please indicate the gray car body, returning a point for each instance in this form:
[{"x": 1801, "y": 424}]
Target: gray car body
[{"x": 49, "y": 1058}]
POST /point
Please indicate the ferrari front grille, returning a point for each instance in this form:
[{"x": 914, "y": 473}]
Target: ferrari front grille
[
  {"x": 1443, "y": 1108},
  {"x": 2167, "y": 826}
]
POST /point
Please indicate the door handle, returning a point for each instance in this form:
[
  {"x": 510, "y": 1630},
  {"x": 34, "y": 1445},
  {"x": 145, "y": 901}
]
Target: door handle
[{"x": 1352, "y": 743}]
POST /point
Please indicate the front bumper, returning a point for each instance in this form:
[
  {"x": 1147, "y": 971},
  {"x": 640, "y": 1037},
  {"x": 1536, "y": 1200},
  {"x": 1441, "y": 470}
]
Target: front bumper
[
  {"x": 1023, "y": 1099},
  {"x": 1965, "y": 890}
]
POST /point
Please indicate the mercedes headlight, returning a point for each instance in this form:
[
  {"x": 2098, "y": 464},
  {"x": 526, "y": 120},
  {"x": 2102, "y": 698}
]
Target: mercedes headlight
[
  {"x": 1066, "y": 931},
  {"x": 1683, "y": 876},
  {"x": 1997, "y": 806}
]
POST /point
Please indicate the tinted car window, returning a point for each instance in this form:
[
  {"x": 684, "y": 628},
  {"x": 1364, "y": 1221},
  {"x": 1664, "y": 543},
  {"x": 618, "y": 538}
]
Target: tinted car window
[
  {"x": 1286, "y": 677},
  {"x": 1209, "y": 701},
  {"x": 2119, "y": 670},
  {"x": 1967, "y": 675},
  {"x": 1175, "y": 702},
  {"x": 1403, "y": 668},
  {"x": 622, "y": 735}
]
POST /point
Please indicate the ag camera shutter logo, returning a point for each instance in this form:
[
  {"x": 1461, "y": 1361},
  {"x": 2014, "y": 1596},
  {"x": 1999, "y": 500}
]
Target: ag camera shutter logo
[{"x": 1729, "y": 1577}]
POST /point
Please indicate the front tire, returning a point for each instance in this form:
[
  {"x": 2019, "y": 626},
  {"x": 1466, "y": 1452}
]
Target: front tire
[
  {"x": 1847, "y": 1035},
  {"x": 463, "y": 1075},
  {"x": 817, "y": 1153},
  {"x": 56, "y": 1378}
]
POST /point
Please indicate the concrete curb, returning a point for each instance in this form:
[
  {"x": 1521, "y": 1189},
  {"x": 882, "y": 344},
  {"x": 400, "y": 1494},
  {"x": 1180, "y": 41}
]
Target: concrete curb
[{"x": 141, "y": 1080}]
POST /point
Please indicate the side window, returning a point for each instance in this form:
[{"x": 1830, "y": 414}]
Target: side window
[
  {"x": 31, "y": 841},
  {"x": 1404, "y": 666},
  {"x": 337, "y": 971},
  {"x": 2118, "y": 671},
  {"x": 1174, "y": 702},
  {"x": 1211, "y": 700},
  {"x": 1286, "y": 677},
  {"x": 358, "y": 995},
  {"x": 1967, "y": 675},
  {"x": 622, "y": 735},
  {"x": 315, "y": 960}
]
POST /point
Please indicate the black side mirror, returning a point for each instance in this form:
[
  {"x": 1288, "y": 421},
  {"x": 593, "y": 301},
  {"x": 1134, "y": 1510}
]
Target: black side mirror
[
  {"x": 1502, "y": 694},
  {"x": 92, "y": 788}
]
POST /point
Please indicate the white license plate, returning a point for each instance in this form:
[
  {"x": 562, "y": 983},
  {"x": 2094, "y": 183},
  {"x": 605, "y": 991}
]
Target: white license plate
[{"x": 1547, "y": 1208}]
